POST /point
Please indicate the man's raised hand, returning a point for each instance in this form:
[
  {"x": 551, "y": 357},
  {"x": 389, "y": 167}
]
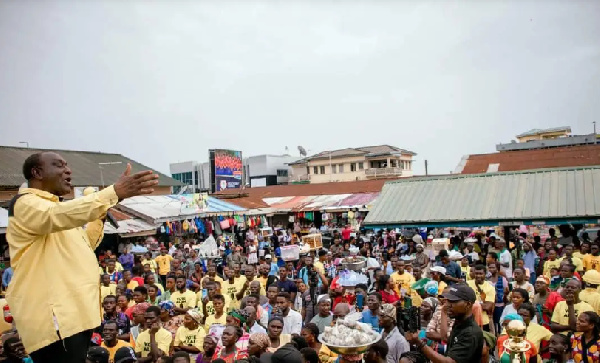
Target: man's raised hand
[{"x": 137, "y": 184}]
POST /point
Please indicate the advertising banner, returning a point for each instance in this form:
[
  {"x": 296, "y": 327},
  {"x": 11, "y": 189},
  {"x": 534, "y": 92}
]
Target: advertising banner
[
  {"x": 228, "y": 169},
  {"x": 193, "y": 203}
]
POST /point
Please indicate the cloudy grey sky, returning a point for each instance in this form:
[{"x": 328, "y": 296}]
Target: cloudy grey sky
[{"x": 164, "y": 81}]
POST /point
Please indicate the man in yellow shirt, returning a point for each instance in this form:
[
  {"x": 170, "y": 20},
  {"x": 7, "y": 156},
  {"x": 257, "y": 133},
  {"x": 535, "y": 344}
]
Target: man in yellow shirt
[
  {"x": 163, "y": 263},
  {"x": 569, "y": 249},
  {"x": 592, "y": 261},
  {"x": 402, "y": 279},
  {"x": 183, "y": 298},
  {"x": 52, "y": 256},
  {"x": 219, "y": 316},
  {"x": 154, "y": 341},
  {"x": 484, "y": 292},
  {"x": 551, "y": 263},
  {"x": 107, "y": 288},
  {"x": 564, "y": 317},
  {"x": 231, "y": 287},
  {"x": 110, "y": 341}
]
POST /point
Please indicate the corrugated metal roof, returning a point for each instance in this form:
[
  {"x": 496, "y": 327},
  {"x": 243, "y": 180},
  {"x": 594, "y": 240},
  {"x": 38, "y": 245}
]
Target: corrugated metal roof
[
  {"x": 84, "y": 164},
  {"x": 131, "y": 227},
  {"x": 160, "y": 208},
  {"x": 530, "y": 197},
  {"x": 533, "y": 132}
]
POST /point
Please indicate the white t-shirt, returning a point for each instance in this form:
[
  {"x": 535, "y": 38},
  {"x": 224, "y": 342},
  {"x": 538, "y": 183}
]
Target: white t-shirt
[
  {"x": 504, "y": 258},
  {"x": 292, "y": 323}
]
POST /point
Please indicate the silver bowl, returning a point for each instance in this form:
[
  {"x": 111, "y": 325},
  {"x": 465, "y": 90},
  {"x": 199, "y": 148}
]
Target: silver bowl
[
  {"x": 355, "y": 349},
  {"x": 355, "y": 266}
]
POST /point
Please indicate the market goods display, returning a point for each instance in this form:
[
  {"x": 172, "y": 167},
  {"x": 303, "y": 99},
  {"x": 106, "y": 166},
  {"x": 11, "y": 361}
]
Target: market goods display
[
  {"x": 354, "y": 263},
  {"x": 349, "y": 337}
]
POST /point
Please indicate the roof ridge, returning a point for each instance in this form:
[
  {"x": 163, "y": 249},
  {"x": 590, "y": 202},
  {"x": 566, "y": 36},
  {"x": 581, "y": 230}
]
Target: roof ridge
[{"x": 61, "y": 150}]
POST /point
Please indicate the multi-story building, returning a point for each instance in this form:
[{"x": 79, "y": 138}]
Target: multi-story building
[
  {"x": 259, "y": 171},
  {"x": 544, "y": 134},
  {"x": 362, "y": 163}
]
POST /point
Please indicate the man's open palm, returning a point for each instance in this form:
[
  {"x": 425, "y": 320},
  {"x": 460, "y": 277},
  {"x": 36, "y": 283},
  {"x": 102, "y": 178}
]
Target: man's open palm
[{"x": 137, "y": 184}]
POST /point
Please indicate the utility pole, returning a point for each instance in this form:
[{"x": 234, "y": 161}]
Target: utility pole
[
  {"x": 101, "y": 174},
  {"x": 426, "y": 173}
]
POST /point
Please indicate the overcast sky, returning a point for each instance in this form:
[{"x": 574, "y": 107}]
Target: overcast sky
[{"x": 164, "y": 81}]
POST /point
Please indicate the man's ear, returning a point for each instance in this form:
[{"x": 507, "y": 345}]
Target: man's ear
[{"x": 37, "y": 173}]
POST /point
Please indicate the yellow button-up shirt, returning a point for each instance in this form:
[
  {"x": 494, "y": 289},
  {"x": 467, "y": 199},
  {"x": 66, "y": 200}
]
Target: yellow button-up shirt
[{"x": 55, "y": 269}]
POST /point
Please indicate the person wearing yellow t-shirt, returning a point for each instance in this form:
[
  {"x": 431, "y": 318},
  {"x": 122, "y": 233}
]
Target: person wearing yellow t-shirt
[
  {"x": 163, "y": 263},
  {"x": 205, "y": 303},
  {"x": 551, "y": 263},
  {"x": 592, "y": 261},
  {"x": 250, "y": 274},
  {"x": 590, "y": 294},
  {"x": 574, "y": 260},
  {"x": 211, "y": 274},
  {"x": 437, "y": 273},
  {"x": 110, "y": 341},
  {"x": 231, "y": 288},
  {"x": 145, "y": 346},
  {"x": 485, "y": 293},
  {"x": 128, "y": 276},
  {"x": 583, "y": 251},
  {"x": 402, "y": 279},
  {"x": 219, "y": 317},
  {"x": 149, "y": 261},
  {"x": 107, "y": 288},
  {"x": 189, "y": 337},
  {"x": 183, "y": 298},
  {"x": 566, "y": 312}
]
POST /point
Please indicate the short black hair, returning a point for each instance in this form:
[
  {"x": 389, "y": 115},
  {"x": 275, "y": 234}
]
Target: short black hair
[
  {"x": 153, "y": 309},
  {"x": 529, "y": 307},
  {"x": 219, "y": 297},
  {"x": 310, "y": 355},
  {"x": 181, "y": 355},
  {"x": 322, "y": 253},
  {"x": 443, "y": 253},
  {"x": 377, "y": 295},
  {"x": 110, "y": 322},
  {"x": 380, "y": 348},
  {"x": 33, "y": 161},
  {"x": 285, "y": 295},
  {"x": 479, "y": 267},
  {"x": 141, "y": 289}
]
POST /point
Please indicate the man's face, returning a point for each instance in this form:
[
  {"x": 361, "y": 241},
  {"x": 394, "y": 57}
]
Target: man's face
[
  {"x": 264, "y": 270},
  {"x": 127, "y": 275},
  {"x": 416, "y": 273},
  {"x": 572, "y": 288},
  {"x": 211, "y": 289},
  {"x": 53, "y": 173},
  {"x": 176, "y": 264},
  {"x": 324, "y": 308},
  {"x": 229, "y": 273},
  {"x": 308, "y": 261},
  {"x": 170, "y": 283},
  {"x": 595, "y": 250},
  {"x": 272, "y": 293},
  {"x": 283, "y": 304},
  {"x": 565, "y": 272},
  {"x": 540, "y": 286},
  {"x": 552, "y": 255},
  {"x": 518, "y": 275},
  {"x": 373, "y": 303},
  {"x": 400, "y": 267},
  {"x": 163, "y": 251},
  {"x": 180, "y": 284},
  {"x": 105, "y": 280},
  {"x": 255, "y": 287},
  {"x": 251, "y": 301},
  {"x": 480, "y": 276},
  {"x": 212, "y": 270},
  {"x": 147, "y": 269},
  {"x": 585, "y": 248},
  {"x": 109, "y": 332},
  {"x": 138, "y": 297},
  {"x": 237, "y": 269},
  {"x": 458, "y": 308},
  {"x": 150, "y": 318},
  {"x": 250, "y": 273},
  {"x": 209, "y": 345},
  {"x": 386, "y": 321},
  {"x": 218, "y": 304},
  {"x": 109, "y": 305},
  {"x": 111, "y": 266},
  {"x": 492, "y": 268},
  {"x": 556, "y": 346},
  {"x": 282, "y": 273}
]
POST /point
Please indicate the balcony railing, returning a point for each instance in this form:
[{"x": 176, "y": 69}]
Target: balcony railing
[
  {"x": 298, "y": 178},
  {"x": 383, "y": 172}
]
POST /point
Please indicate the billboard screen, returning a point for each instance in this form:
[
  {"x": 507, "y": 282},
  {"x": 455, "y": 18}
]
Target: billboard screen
[{"x": 228, "y": 169}]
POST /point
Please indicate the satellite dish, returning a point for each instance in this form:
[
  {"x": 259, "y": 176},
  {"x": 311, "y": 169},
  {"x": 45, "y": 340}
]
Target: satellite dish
[{"x": 302, "y": 151}]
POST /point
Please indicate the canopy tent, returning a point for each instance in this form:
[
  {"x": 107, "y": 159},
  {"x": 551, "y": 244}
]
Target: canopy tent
[
  {"x": 129, "y": 226},
  {"x": 327, "y": 202},
  {"x": 544, "y": 196},
  {"x": 161, "y": 208}
]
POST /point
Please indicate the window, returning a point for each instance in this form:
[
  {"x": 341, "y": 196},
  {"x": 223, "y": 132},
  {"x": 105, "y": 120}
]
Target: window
[
  {"x": 282, "y": 173},
  {"x": 393, "y": 163},
  {"x": 341, "y": 168},
  {"x": 315, "y": 170},
  {"x": 333, "y": 169},
  {"x": 322, "y": 169},
  {"x": 361, "y": 165},
  {"x": 352, "y": 166},
  {"x": 307, "y": 170}
]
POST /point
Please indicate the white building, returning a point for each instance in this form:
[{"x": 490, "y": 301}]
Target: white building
[{"x": 259, "y": 171}]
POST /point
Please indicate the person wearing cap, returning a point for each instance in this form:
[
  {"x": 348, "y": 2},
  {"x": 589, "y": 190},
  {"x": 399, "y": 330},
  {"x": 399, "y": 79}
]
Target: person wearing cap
[
  {"x": 590, "y": 294},
  {"x": 396, "y": 343},
  {"x": 466, "y": 339},
  {"x": 97, "y": 355},
  {"x": 324, "y": 317},
  {"x": 125, "y": 355},
  {"x": 110, "y": 339},
  {"x": 190, "y": 336},
  {"x": 540, "y": 298},
  {"x": 437, "y": 274}
]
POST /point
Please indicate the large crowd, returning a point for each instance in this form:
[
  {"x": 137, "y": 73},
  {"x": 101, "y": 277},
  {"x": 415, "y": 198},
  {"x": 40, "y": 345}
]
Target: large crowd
[{"x": 173, "y": 306}]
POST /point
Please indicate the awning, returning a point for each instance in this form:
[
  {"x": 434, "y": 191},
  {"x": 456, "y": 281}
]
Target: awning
[
  {"x": 545, "y": 196},
  {"x": 289, "y": 204},
  {"x": 134, "y": 227},
  {"x": 161, "y": 208},
  {"x": 329, "y": 202}
]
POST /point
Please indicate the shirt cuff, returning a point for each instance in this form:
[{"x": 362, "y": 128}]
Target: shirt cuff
[{"x": 108, "y": 196}]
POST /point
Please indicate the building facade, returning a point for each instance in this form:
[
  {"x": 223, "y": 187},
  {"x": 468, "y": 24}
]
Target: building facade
[{"x": 351, "y": 164}]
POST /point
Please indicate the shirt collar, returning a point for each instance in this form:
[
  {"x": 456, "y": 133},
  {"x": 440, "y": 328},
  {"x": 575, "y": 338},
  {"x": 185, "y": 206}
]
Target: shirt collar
[{"x": 40, "y": 193}]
